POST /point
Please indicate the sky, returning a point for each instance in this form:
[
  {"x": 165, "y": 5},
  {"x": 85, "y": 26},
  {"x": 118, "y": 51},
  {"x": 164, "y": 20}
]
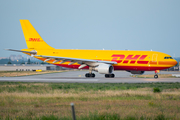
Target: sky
[{"x": 93, "y": 24}]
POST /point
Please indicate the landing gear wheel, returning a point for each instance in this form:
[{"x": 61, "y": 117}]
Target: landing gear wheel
[
  {"x": 90, "y": 75},
  {"x": 87, "y": 75},
  {"x": 112, "y": 75},
  {"x": 93, "y": 75},
  {"x": 155, "y": 76},
  {"x": 109, "y": 75}
]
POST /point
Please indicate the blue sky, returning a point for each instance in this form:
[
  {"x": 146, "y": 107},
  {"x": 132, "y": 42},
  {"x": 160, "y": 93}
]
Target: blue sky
[{"x": 94, "y": 24}]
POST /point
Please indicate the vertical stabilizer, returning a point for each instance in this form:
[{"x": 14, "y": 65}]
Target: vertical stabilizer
[{"x": 33, "y": 39}]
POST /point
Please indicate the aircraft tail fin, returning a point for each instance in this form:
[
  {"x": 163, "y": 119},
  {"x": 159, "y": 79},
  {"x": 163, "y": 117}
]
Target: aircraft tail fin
[{"x": 33, "y": 39}]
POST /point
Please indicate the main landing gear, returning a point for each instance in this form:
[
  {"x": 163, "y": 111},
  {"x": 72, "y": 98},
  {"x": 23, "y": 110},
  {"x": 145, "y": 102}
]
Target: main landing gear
[
  {"x": 109, "y": 75},
  {"x": 92, "y": 75}
]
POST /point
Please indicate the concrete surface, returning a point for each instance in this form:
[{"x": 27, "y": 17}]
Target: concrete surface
[{"x": 78, "y": 76}]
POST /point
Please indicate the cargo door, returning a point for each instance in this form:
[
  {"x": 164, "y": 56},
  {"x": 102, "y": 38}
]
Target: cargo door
[{"x": 154, "y": 57}]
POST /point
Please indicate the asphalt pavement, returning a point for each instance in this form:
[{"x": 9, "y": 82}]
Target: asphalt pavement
[{"x": 79, "y": 77}]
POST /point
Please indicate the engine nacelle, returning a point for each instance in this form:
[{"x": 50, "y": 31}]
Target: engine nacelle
[
  {"x": 137, "y": 72},
  {"x": 104, "y": 69}
]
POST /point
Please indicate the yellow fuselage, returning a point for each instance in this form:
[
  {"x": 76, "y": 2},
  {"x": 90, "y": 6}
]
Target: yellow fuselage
[{"x": 126, "y": 59}]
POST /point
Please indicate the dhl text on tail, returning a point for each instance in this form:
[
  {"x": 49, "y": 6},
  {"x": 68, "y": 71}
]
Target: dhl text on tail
[{"x": 101, "y": 61}]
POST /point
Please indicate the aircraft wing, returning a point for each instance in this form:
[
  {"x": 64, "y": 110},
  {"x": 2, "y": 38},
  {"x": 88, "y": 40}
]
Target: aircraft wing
[{"x": 83, "y": 62}]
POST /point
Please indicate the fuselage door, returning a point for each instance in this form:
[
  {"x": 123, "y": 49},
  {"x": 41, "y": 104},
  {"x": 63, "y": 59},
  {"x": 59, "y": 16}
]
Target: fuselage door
[{"x": 154, "y": 57}]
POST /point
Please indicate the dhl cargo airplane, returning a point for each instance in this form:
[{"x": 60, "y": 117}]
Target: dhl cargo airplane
[{"x": 102, "y": 61}]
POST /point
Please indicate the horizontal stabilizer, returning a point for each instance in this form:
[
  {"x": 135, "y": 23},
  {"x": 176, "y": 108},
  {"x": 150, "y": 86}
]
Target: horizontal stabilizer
[{"x": 31, "y": 52}]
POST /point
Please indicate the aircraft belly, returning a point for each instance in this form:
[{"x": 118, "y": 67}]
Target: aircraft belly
[{"x": 139, "y": 68}]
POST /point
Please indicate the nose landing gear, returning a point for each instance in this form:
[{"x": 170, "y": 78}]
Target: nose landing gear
[{"x": 156, "y": 74}]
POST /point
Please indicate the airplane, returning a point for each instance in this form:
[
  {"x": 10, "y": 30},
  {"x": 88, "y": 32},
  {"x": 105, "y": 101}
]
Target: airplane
[{"x": 101, "y": 61}]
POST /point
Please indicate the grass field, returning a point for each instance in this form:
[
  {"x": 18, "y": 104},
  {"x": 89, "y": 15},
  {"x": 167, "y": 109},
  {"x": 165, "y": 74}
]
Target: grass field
[{"x": 93, "y": 101}]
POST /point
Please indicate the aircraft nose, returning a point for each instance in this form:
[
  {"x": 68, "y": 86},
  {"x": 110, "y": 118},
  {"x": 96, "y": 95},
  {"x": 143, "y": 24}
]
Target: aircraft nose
[
  {"x": 170, "y": 63},
  {"x": 174, "y": 62}
]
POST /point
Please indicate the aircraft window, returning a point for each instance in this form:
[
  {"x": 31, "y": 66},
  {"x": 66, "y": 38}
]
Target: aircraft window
[{"x": 168, "y": 58}]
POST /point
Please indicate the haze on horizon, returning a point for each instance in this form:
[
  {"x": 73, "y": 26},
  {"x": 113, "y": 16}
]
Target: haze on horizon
[{"x": 117, "y": 25}]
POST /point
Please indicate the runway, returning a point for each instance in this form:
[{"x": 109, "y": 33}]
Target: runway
[{"x": 78, "y": 77}]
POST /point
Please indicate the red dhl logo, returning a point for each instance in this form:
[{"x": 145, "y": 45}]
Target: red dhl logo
[
  {"x": 129, "y": 59},
  {"x": 35, "y": 39}
]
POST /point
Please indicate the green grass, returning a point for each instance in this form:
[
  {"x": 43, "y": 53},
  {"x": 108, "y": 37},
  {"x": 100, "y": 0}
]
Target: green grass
[
  {"x": 93, "y": 101},
  {"x": 45, "y": 88},
  {"x": 94, "y": 116},
  {"x": 156, "y": 90}
]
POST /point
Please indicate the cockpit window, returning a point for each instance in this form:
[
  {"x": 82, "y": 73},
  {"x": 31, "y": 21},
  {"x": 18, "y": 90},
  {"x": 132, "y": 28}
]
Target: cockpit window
[{"x": 168, "y": 58}]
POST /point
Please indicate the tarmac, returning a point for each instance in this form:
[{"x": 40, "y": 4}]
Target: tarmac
[{"x": 79, "y": 77}]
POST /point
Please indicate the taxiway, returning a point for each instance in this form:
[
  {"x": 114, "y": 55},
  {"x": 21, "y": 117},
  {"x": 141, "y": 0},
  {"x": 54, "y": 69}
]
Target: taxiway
[{"x": 78, "y": 77}]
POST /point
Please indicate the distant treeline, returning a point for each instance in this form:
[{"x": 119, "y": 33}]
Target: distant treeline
[{"x": 8, "y": 61}]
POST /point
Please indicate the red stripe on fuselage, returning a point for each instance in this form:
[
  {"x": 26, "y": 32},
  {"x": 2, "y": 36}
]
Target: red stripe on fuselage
[
  {"x": 140, "y": 68},
  {"x": 153, "y": 62},
  {"x": 71, "y": 66},
  {"x": 126, "y": 61},
  {"x": 132, "y": 62},
  {"x": 142, "y": 62}
]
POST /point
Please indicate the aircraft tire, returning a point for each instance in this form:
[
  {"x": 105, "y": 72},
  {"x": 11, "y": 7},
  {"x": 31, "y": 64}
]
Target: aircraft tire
[
  {"x": 155, "y": 76},
  {"x": 112, "y": 75},
  {"x": 106, "y": 75},
  {"x": 93, "y": 75},
  {"x": 87, "y": 74},
  {"x": 90, "y": 75},
  {"x": 109, "y": 75}
]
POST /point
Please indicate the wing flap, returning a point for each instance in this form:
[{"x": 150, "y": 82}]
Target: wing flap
[{"x": 73, "y": 60}]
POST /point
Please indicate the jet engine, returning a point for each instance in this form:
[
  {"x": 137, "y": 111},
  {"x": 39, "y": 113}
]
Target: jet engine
[
  {"x": 104, "y": 69},
  {"x": 137, "y": 72}
]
